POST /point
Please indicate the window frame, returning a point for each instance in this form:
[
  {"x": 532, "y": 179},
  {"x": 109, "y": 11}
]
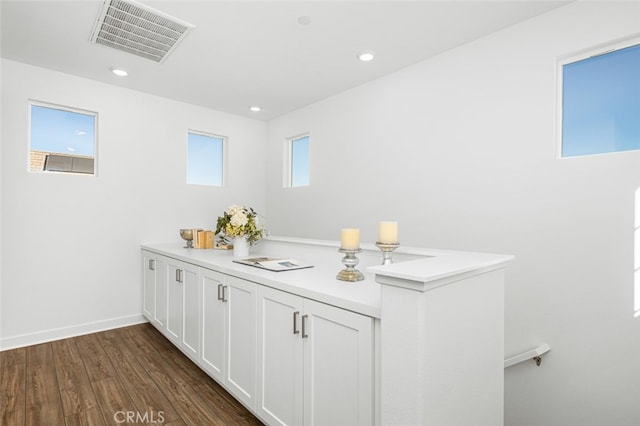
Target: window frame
[
  {"x": 288, "y": 161},
  {"x": 636, "y": 254},
  {"x": 223, "y": 173},
  {"x": 76, "y": 110},
  {"x": 591, "y": 52}
]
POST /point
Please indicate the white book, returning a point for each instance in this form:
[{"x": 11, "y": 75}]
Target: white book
[{"x": 274, "y": 264}]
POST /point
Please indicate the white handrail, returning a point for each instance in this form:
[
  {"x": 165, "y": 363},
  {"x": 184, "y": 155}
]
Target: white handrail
[{"x": 533, "y": 354}]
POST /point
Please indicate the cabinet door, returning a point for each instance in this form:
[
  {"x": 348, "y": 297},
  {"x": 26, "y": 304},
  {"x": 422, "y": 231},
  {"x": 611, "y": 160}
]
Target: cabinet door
[
  {"x": 175, "y": 300},
  {"x": 160, "y": 314},
  {"x": 213, "y": 323},
  {"x": 190, "y": 312},
  {"x": 240, "y": 372},
  {"x": 338, "y": 366},
  {"x": 155, "y": 289},
  {"x": 279, "y": 395},
  {"x": 149, "y": 271}
]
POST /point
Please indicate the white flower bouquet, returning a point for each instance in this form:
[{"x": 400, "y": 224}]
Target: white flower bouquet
[{"x": 240, "y": 221}]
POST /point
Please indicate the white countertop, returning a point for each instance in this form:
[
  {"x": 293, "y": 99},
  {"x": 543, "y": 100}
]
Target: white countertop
[{"x": 414, "y": 268}]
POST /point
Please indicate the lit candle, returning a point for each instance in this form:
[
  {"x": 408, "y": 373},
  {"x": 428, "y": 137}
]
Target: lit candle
[
  {"x": 350, "y": 239},
  {"x": 388, "y": 232}
]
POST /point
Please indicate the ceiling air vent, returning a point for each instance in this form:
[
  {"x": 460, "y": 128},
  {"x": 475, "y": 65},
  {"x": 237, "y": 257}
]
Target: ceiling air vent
[{"x": 137, "y": 29}]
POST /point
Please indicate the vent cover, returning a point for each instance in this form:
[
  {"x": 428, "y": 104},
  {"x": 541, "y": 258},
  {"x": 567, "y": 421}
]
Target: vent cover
[{"x": 137, "y": 29}]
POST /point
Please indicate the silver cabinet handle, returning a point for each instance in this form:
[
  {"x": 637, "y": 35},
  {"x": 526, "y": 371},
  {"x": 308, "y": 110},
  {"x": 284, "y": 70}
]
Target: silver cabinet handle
[
  {"x": 220, "y": 292},
  {"x": 224, "y": 299},
  {"x": 295, "y": 322},
  {"x": 179, "y": 275},
  {"x": 152, "y": 264},
  {"x": 304, "y": 326}
]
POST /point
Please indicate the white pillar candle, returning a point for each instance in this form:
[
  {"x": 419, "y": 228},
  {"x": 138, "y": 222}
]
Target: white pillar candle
[
  {"x": 350, "y": 239},
  {"x": 388, "y": 232}
]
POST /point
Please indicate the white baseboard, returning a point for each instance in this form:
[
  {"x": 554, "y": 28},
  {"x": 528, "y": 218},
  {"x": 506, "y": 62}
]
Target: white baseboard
[{"x": 66, "y": 332}]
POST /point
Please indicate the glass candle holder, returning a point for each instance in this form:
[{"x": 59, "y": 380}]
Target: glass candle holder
[
  {"x": 350, "y": 261},
  {"x": 387, "y": 249}
]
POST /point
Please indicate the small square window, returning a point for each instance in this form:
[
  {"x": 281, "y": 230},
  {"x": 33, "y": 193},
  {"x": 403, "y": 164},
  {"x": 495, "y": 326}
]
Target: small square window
[
  {"x": 205, "y": 159},
  {"x": 62, "y": 139},
  {"x": 601, "y": 102},
  {"x": 298, "y": 164}
]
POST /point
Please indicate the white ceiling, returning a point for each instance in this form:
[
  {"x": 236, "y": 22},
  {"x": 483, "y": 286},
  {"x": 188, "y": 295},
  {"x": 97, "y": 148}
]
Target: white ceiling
[{"x": 245, "y": 53}]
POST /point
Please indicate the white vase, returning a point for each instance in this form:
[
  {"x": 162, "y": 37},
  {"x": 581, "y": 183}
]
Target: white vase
[{"x": 240, "y": 247}]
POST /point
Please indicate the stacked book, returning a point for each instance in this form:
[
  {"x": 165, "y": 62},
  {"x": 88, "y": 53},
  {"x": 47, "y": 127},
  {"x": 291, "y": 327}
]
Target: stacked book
[{"x": 203, "y": 239}]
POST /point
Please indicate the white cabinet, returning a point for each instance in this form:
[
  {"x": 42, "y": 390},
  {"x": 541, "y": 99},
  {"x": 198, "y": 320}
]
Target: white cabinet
[
  {"x": 183, "y": 307},
  {"x": 280, "y": 368},
  {"x": 338, "y": 366},
  {"x": 315, "y": 362},
  {"x": 154, "y": 289},
  {"x": 298, "y": 348},
  {"x": 212, "y": 357},
  {"x": 240, "y": 374},
  {"x": 291, "y": 360},
  {"x": 229, "y": 333}
]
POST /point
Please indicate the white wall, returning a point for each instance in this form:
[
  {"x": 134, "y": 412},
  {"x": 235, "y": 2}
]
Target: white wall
[
  {"x": 460, "y": 150},
  {"x": 1, "y": 231},
  {"x": 71, "y": 243}
]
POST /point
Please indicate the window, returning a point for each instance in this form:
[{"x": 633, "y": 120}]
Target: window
[
  {"x": 62, "y": 139},
  {"x": 205, "y": 159},
  {"x": 600, "y": 104},
  {"x": 298, "y": 164}
]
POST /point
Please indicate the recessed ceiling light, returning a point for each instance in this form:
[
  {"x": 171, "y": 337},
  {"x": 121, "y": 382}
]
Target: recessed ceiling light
[
  {"x": 366, "y": 56},
  {"x": 304, "y": 20},
  {"x": 255, "y": 108},
  {"x": 119, "y": 72}
]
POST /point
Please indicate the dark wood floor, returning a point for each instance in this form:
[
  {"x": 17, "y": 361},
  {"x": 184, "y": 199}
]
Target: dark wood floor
[{"x": 106, "y": 378}]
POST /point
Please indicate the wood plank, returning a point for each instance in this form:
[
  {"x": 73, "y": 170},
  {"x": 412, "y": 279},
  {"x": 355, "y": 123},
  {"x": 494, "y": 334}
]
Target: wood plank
[
  {"x": 89, "y": 417},
  {"x": 152, "y": 339},
  {"x": 191, "y": 406},
  {"x": 110, "y": 393},
  {"x": 230, "y": 411},
  {"x": 113, "y": 399},
  {"x": 227, "y": 407},
  {"x": 12, "y": 386},
  {"x": 148, "y": 343},
  {"x": 86, "y": 380},
  {"x": 224, "y": 406},
  {"x": 143, "y": 391},
  {"x": 43, "y": 404},
  {"x": 94, "y": 358},
  {"x": 175, "y": 380},
  {"x": 78, "y": 399}
]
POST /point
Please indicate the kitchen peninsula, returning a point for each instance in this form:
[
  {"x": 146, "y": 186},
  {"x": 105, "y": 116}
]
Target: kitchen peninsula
[{"x": 419, "y": 341}]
